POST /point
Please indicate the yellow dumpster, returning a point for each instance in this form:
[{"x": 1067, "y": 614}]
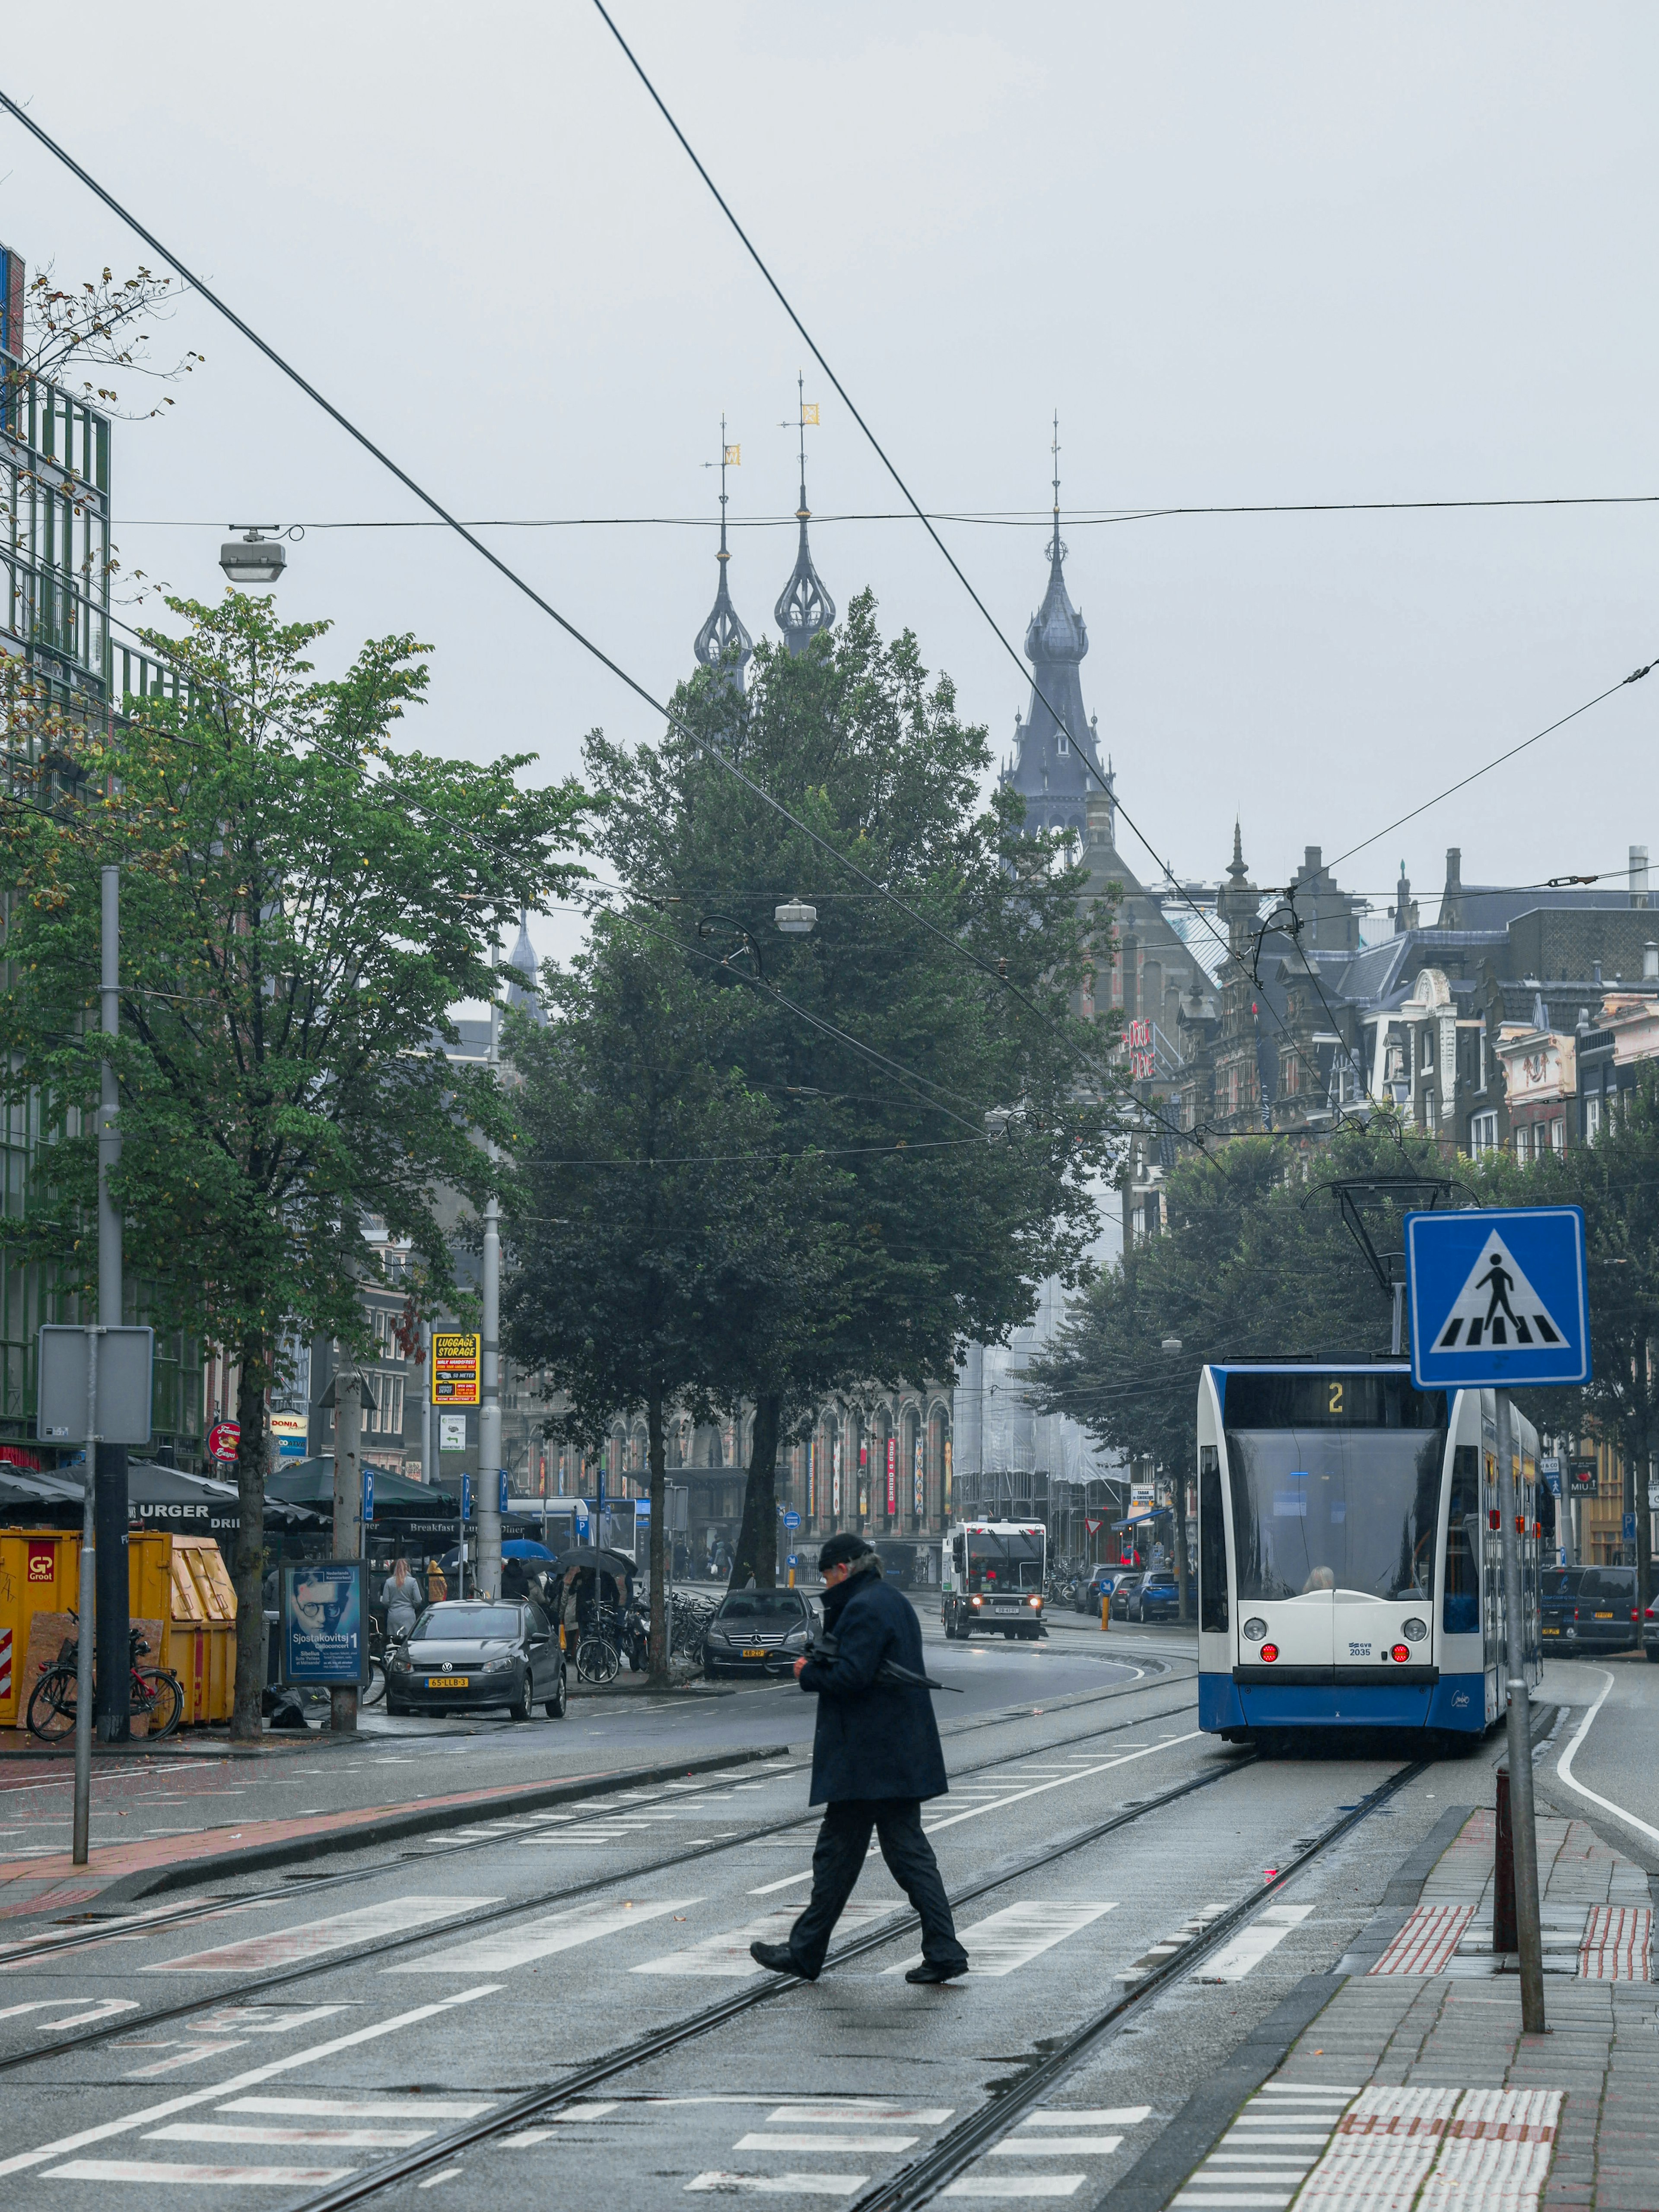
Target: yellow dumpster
[
  {"x": 40, "y": 1584},
  {"x": 202, "y": 1635}
]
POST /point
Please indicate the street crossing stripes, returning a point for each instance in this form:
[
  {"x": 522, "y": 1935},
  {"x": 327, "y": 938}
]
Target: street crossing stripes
[
  {"x": 1252, "y": 1944},
  {"x": 498, "y": 1950},
  {"x": 1271, "y": 2146},
  {"x": 279, "y": 2123},
  {"x": 1020, "y": 1933},
  {"x": 156, "y": 2174},
  {"x": 727, "y": 1955},
  {"x": 860, "y": 2125},
  {"x": 312, "y": 1938}
]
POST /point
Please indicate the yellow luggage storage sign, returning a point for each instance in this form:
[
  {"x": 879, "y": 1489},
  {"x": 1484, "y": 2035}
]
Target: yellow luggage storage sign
[{"x": 456, "y": 1362}]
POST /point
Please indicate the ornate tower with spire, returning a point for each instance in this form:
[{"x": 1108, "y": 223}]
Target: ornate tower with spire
[
  {"x": 723, "y": 642},
  {"x": 1056, "y": 737},
  {"x": 805, "y": 607}
]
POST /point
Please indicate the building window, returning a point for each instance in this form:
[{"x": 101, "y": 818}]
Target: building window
[
  {"x": 1065, "y": 746},
  {"x": 1431, "y": 1118},
  {"x": 1524, "y": 1142},
  {"x": 1427, "y": 1061},
  {"x": 1592, "y": 1117},
  {"x": 1559, "y": 1133},
  {"x": 1483, "y": 1133}
]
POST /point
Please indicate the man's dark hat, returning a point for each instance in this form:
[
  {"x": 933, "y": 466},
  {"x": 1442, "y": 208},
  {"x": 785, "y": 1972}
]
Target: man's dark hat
[{"x": 841, "y": 1548}]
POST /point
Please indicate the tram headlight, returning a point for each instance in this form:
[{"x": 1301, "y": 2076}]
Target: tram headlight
[
  {"x": 1413, "y": 1630},
  {"x": 1256, "y": 1628}
]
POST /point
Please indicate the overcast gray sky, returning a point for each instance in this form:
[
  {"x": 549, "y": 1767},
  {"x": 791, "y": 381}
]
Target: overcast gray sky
[{"x": 1252, "y": 254}]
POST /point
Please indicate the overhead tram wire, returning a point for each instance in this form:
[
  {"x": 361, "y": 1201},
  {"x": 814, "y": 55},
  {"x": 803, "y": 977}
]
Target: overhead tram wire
[
  {"x": 503, "y": 567},
  {"x": 916, "y": 509},
  {"x": 1537, "y": 738}
]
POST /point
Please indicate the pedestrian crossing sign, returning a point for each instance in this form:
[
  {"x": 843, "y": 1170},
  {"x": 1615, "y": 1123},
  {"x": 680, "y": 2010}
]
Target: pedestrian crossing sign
[{"x": 1498, "y": 1296}]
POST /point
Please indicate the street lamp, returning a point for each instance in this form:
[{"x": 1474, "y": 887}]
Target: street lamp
[
  {"x": 253, "y": 558},
  {"x": 794, "y": 918},
  {"x": 1172, "y": 1344}
]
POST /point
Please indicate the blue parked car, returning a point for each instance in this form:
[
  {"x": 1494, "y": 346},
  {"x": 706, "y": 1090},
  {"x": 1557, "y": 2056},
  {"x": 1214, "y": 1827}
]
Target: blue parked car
[{"x": 1159, "y": 1597}]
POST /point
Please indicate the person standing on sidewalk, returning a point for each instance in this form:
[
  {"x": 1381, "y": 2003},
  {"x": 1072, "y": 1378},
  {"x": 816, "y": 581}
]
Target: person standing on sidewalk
[{"x": 876, "y": 1754}]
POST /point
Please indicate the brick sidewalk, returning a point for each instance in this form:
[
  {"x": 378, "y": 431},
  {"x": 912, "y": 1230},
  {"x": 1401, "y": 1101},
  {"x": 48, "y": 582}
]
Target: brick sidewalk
[{"x": 1415, "y": 2087}]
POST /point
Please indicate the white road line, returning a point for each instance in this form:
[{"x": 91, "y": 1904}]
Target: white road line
[
  {"x": 1013, "y": 1937},
  {"x": 864, "y": 2143},
  {"x": 779, "y": 2184},
  {"x": 1105, "y": 2116},
  {"x": 21, "y": 2161},
  {"x": 284, "y": 1946},
  {"x": 727, "y": 1953},
  {"x": 504, "y": 1948},
  {"x": 1080, "y": 1774},
  {"x": 1052, "y": 2147},
  {"x": 403, "y": 2107},
  {"x": 220, "y": 2132},
  {"x": 854, "y": 2108},
  {"x": 789, "y": 1881},
  {"x": 1252, "y": 1944},
  {"x": 1017, "y": 2185},
  {"x": 105, "y": 2008},
  {"x": 152, "y": 2175},
  {"x": 1564, "y": 1768},
  {"x": 527, "y": 2138}
]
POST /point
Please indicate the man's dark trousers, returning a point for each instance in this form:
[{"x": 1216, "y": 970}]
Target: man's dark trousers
[{"x": 838, "y": 1859}]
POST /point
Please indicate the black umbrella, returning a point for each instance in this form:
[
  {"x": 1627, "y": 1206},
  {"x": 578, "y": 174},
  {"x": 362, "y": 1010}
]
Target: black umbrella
[{"x": 603, "y": 1560}]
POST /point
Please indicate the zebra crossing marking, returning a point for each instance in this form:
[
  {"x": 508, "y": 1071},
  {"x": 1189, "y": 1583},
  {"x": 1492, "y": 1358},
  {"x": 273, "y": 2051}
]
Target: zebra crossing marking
[
  {"x": 864, "y": 2143},
  {"x": 157, "y": 2174},
  {"x": 399, "y": 2107},
  {"x": 1253, "y": 1944},
  {"x": 1020, "y": 1933},
  {"x": 310, "y": 1939},
  {"x": 727, "y": 1955},
  {"x": 499, "y": 1950},
  {"x": 347, "y": 2138},
  {"x": 779, "y": 2184}
]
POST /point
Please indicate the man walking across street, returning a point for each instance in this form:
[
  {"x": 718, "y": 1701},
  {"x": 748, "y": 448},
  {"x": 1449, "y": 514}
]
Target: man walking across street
[{"x": 876, "y": 1754}]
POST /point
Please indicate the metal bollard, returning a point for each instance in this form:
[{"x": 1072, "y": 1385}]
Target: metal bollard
[
  {"x": 1505, "y": 1933},
  {"x": 1105, "y": 1611}
]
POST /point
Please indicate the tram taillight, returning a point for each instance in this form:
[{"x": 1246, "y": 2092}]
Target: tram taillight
[
  {"x": 1401, "y": 1651},
  {"x": 1270, "y": 1652}
]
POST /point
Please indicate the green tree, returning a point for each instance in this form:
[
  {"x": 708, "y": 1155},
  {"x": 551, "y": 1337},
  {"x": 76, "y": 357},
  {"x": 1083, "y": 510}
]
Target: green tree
[
  {"x": 660, "y": 1212},
  {"x": 881, "y": 1041},
  {"x": 302, "y": 903}
]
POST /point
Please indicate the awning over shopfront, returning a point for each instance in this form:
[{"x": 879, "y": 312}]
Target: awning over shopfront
[{"x": 311, "y": 1482}]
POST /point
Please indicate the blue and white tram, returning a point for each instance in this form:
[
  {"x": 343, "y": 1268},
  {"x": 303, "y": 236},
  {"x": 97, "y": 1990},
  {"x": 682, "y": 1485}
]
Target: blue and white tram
[{"x": 1349, "y": 1563}]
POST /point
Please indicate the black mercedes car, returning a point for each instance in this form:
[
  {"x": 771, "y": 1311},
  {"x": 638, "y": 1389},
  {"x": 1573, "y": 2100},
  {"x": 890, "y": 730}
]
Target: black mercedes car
[
  {"x": 465, "y": 1654},
  {"x": 754, "y": 1630}
]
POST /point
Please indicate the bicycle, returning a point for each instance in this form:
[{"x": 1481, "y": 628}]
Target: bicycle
[
  {"x": 154, "y": 1693},
  {"x": 597, "y": 1655}
]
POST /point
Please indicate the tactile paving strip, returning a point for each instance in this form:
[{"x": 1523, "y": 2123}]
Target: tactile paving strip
[
  {"x": 1617, "y": 1944},
  {"x": 1464, "y": 2150},
  {"x": 1428, "y": 1942}
]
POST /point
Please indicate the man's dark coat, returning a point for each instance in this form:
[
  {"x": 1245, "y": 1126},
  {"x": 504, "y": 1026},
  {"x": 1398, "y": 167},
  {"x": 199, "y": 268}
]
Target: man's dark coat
[{"x": 871, "y": 1740}]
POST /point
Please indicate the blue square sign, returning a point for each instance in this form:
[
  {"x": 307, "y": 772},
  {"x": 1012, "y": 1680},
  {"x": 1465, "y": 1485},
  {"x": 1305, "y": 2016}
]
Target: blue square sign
[{"x": 1498, "y": 1296}]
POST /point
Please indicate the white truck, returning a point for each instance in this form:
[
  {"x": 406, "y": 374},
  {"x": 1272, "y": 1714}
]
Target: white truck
[{"x": 991, "y": 1577}]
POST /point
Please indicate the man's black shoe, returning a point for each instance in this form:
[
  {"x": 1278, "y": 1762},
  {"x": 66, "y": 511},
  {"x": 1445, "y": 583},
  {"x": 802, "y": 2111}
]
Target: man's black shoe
[
  {"x": 778, "y": 1959},
  {"x": 927, "y": 1972}
]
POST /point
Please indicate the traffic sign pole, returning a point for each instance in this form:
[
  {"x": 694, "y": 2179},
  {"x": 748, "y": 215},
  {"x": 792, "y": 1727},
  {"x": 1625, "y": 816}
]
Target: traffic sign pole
[
  {"x": 106, "y": 1463},
  {"x": 1523, "y": 1823}
]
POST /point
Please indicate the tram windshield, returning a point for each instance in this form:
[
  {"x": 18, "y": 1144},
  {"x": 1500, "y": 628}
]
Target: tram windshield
[
  {"x": 1336, "y": 1484},
  {"x": 1004, "y": 1560}
]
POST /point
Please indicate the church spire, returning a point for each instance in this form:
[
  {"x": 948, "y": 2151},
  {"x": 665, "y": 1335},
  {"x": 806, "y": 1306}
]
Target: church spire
[
  {"x": 1058, "y": 742},
  {"x": 723, "y": 642},
  {"x": 804, "y": 607}
]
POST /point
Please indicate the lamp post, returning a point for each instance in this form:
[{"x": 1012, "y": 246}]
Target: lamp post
[{"x": 1171, "y": 1348}]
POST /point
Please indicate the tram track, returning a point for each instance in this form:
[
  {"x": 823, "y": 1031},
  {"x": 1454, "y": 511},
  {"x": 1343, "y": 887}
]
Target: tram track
[
  {"x": 196, "y": 1909},
  {"x": 535, "y": 2104},
  {"x": 915, "y": 2184},
  {"x": 252, "y": 1990}
]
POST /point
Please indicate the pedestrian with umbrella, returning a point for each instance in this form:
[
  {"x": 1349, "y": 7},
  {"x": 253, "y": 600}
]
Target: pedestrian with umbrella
[{"x": 875, "y": 1755}]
